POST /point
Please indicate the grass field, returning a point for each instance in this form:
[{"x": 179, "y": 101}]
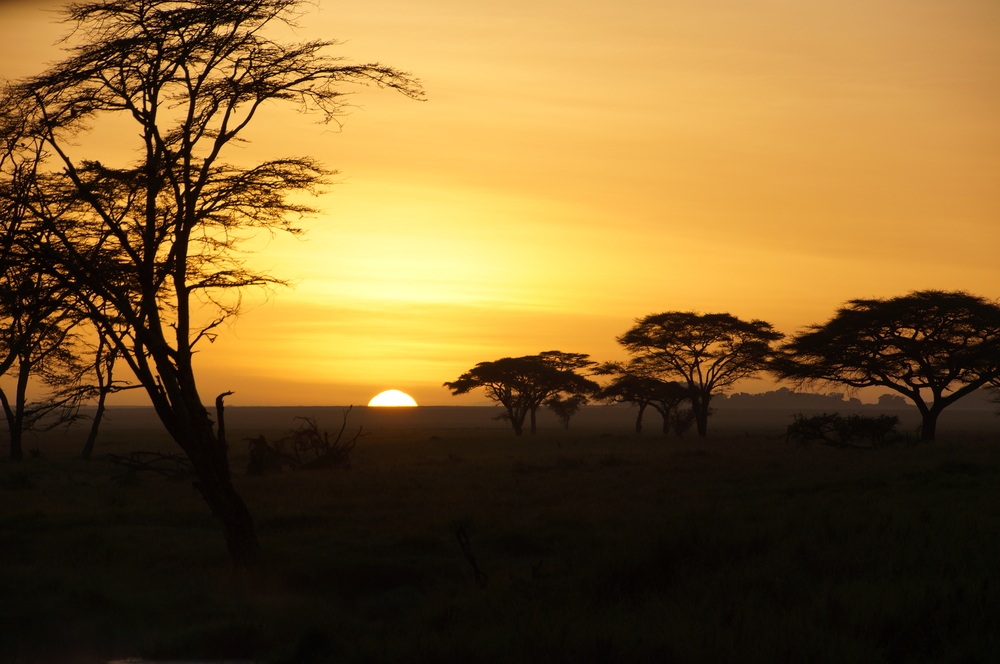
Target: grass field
[{"x": 597, "y": 546}]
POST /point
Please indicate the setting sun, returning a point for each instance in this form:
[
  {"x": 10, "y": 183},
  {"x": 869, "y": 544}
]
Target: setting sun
[
  {"x": 459, "y": 231},
  {"x": 392, "y": 398}
]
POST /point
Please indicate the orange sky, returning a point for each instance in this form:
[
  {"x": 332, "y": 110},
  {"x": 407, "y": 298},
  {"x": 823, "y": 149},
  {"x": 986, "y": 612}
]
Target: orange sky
[{"x": 581, "y": 164}]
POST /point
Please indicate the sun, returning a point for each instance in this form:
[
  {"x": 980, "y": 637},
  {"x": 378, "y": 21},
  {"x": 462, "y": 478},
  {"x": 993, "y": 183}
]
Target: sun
[{"x": 392, "y": 398}]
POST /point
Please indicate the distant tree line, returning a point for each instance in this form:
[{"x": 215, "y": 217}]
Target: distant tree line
[
  {"x": 931, "y": 347},
  {"x": 784, "y": 397}
]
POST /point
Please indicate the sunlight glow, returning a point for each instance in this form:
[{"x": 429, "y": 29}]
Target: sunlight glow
[
  {"x": 392, "y": 398},
  {"x": 459, "y": 231}
]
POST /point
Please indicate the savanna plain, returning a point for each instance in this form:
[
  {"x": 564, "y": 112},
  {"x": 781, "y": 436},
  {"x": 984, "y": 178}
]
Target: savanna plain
[{"x": 451, "y": 540}]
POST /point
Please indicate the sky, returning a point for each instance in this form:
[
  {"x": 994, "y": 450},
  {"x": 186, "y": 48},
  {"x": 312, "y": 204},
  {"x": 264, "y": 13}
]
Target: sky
[{"x": 578, "y": 165}]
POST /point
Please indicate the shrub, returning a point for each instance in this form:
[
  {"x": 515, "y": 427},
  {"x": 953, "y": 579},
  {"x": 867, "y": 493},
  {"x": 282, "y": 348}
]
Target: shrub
[
  {"x": 834, "y": 429},
  {"x": 305, "y": 448}
]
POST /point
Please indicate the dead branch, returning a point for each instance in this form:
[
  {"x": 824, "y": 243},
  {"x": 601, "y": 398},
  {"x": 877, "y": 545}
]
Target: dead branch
[
  {"x": 172, "y": 466},
  {"x": 220, "y": 414},
  {"x": 461, "y": 531},
  {"x": 304, "y": 448}
]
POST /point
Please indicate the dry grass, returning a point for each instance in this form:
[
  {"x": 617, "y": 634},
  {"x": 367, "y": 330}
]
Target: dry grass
[{"x": 599, "y": 546}]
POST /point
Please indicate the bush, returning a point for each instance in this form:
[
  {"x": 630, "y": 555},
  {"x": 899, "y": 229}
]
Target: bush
[
  {"x": 305, "y": 448},
  {"x": 834, "y": 429}
]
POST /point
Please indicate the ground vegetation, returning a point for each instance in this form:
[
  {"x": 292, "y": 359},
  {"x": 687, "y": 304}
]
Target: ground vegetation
[
  {"x": 873, "y": 431},
  {"x": 591, "y": 545}
]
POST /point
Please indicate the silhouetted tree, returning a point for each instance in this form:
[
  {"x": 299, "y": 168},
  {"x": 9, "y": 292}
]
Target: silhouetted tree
[
  {"x": 565, "y": 408},
  {"x": 103, "y": 356},
  {"x": 707, "y": 352},
  {"x": 37, "y": 338},
  {"x": 43, "y": 340},
  {"x": 933, "y": 347},
  {"x": 632, "y": 383},
  {"x": 576, "y": 390},
  {"x": 152, "y": 243},
  {"x": 522, "y": 384}
]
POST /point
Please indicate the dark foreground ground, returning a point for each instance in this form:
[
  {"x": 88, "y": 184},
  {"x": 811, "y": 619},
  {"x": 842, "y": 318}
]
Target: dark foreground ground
[{"x": 594, "y": 545}]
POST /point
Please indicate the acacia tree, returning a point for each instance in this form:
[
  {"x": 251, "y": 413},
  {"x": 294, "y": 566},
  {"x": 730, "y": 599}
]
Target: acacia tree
[
  {"x": 36, "y": 323},
  {"x": 631, "y": 383},
  {"x": 706, "y": 352},
  {"x": 37, "y": 342},
  {"x": 150, "y": 245},
  {"x": 40, "y": 352},
  {"x": 569, "y": 391},
  {"x": 522, "y": 384},
  {"x": 933, "y": 347},
  {"x": 103, "y": 356},
  {"x": 566, "y": 407},
  {"x": 43, "y": 338}
]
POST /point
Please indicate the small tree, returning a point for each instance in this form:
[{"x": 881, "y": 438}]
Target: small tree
[
  {"x": 631, "y": 383},
  {"x": 933, "y": 347},
  {"x": 152, "y": 242},
  {"x": 567, "y": 382},
  {"x": 43, "y": 341},
  {"x": 706, "y": 352},
  {"x": 103, "y": 355},
  {"x": 37, "y": 337},
  {"x": 522, "y": 384},
  {"x": 565, "y": 407}
]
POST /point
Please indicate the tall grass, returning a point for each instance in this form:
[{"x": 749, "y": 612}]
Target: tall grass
[{"x": 597, "y": 548}]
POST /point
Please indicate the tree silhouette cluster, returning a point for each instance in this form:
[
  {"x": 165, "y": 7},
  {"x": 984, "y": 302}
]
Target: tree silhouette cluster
[
  {"x": 523, "y": 384},
  {"x": 634, "y": 384},
  {"x": 146, "y": 254},
  {"x": 931, "y": 347}
]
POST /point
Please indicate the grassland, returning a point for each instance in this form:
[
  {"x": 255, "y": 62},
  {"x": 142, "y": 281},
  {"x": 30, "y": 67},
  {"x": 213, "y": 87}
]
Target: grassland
[{"x": 598, "y": 545}]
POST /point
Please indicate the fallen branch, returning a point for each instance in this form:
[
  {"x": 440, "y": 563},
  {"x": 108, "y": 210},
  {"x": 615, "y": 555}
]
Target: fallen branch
[
  {"x": 173, "y": 466},
  {"x": 304, "y": 448},
  {"x": 462, "y": 535}
]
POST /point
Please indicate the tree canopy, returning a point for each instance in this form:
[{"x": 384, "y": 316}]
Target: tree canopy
[
  {"x": 632, "y": 383},
  {"x": 39, "y": 339},
  {"x": 522, "y": 384},
  {"x": 933, "y": 347},
  {"x": 707, "y": 352}
]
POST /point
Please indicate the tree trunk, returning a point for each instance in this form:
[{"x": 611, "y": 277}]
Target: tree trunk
[
  {"x": 16, "y": 452},
  {"x": 700, "y": 411},
  {"x": 928, "y": 425},
  {"x": 210, "y": 459},
  {"x": 16, "y": 447},
  {"x": 638, "y": 418},
  {"x": 516, "y": 418},
  {"x": 190, "y": 426},
  {"x": 227, "y": 505},
  {"x": 104, "y": 369},
  {"x": 95, "y": 426},
  {"x": 699, "y": 406},
  {"x": 15, "y": 413}
]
